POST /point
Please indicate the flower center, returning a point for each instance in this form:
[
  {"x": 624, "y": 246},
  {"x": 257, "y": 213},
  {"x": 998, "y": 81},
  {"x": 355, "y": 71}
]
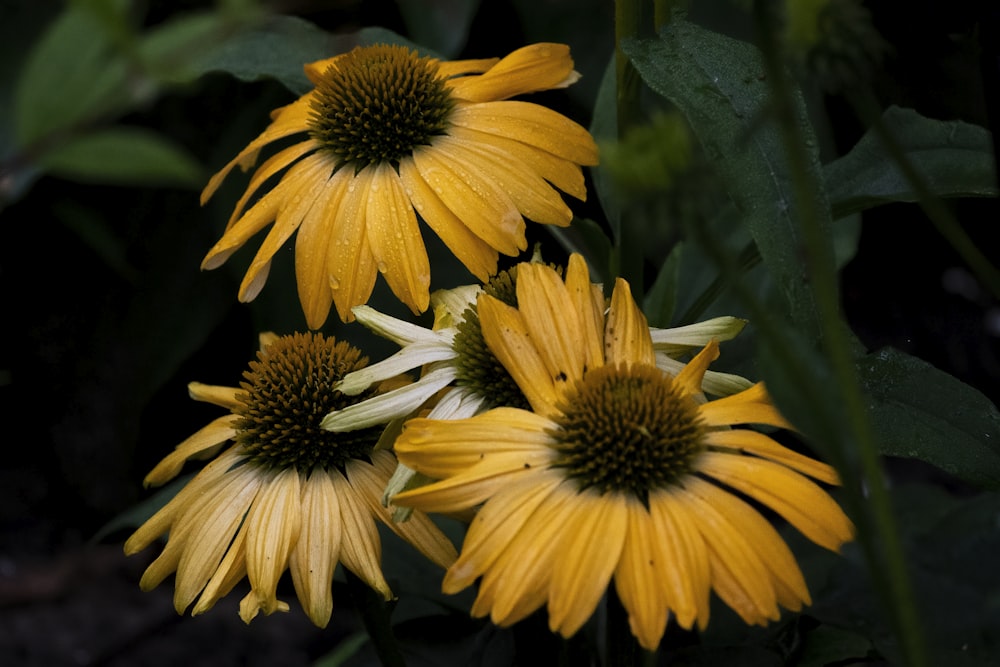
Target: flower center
[
  {"x": 477, "y": 367},
  {"x": 288, "y": 391},
  {"x": 628, "y": 429},
  {"x": 377, "y": 103}
]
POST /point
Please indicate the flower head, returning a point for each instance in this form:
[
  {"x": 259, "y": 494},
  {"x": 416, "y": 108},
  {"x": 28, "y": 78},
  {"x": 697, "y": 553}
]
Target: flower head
[
  {"x": 389, "y": 135},
  {"x": 285, "y": 494},
  {"x": 619, "y": 470}
]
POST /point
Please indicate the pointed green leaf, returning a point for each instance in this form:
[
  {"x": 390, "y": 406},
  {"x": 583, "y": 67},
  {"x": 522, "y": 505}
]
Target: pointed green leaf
[
  {"x": 923, "y": 413},
  {"x": 126, "y": 156},
  {"x": 718, "y": 83},
  {"x": 954, "y": 158}
]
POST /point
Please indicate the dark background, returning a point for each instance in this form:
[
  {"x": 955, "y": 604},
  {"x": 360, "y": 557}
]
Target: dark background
[{"x": 99, "y": 353}]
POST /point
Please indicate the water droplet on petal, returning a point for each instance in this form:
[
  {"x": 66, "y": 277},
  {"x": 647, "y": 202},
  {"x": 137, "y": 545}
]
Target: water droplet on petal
[{"x": 335, "y": 283}]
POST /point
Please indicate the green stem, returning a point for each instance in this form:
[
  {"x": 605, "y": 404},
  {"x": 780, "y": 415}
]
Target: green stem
[
  {"x": 886, "y": 556},
  {"x": 375, "y": 614}
]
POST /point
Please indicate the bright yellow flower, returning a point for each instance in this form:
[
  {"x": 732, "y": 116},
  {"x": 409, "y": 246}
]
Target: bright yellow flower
[
  {"x": 620, "y": 469},
  {"x": 284, "y": 495},
  {"x": 391, "y": 135}
]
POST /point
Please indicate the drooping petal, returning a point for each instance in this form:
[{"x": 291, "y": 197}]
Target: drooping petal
[
  {"x": 475, "y": 253},
  {"x": 418, "y": 529},
  {"x": 274, "y": 522},
  {"x": 350, "y": 264},
  {"x": 288, "y": 120},
  {"x": 269, "y": 168},
  {"x": 801, "y": 502},
  {"x": 472, "y": 195},
  {"x": 692, "y": 375},
  {"x": 395, "y": 239},
  {"x": 678, "y": 340},
  {"x": 400, "y": 332},
  {"x": 531, "y": 124},
  {"x": 638, "y": 567},
  {"x": 315, "y": 556},
  {"x": 495, "y": 526},
  {"x": 361, "y": 548},
  {"x": 713, "y": 382},
  {"x": 205, "y": 442},
  {"x": 594, "y": 534},
  {"x": 754, "y": 442}
]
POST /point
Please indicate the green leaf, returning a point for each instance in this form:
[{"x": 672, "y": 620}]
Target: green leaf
[
  {"x": 139, "y": 513},
  {"x": 920, "y": 412},
  {"x": 718, "y": 84},
  {"x": 587, "y": 238},
  {"x": 279, "y": 47},
  {"x": 954, "y": 158},
  {"x": 442, "y": 25},
  {"x": 660, "y": 300},
  {"x": 124, "y": 156}
]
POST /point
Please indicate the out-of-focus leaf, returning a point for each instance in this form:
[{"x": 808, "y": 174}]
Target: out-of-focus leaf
[
  {"x": 442, "y": 25},
  {"x": 717, "y": 83},
  {"x": 280, "y": 46},
  {"x": 954, "y": 158},
  {"x": 97, "y": 233},
  {"x": 138, "y": 514},
  {"x": 604, "y": 126},
  {"x": 827, "y": 645},
  {"x": 920, "y": 412},
  {"x": 586, "y": 237},
  {"x": 659, "y": 302},
  {"x": 171, "y": 51},
  {"x": 71, "y": 75},
  {"x": 345, "y": 650},
  {"x": 125, "y": 156}
]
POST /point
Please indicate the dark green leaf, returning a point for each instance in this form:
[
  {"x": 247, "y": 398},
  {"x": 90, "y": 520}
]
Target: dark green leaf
[
  {"x": 920, "y": 412},
  {"x": 828, "y": 645},
  {"x": 126, "y": 156},
  {"x": 954, "y": 158},
  {"x": 659, "y": 302},
  {"x": 139, "y": 513},
  {"x": 586, "y": 237},
  {"x": 442, "y": 25},
  {"x": 280, "y": 46},
  {"x": 718, "y": 83}
]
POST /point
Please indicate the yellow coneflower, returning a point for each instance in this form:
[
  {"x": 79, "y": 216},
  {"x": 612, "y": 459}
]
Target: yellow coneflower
[
  {"x": 284, "y": 495},
  {"x": 619, "y": 470},
  {"x": 462, "y": 375},
  {"x": 392, "y": 134}
]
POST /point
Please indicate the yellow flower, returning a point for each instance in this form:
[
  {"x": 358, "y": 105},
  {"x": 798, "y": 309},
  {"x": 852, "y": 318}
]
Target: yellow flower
[
  {"x": 284, "y": 495},
  {"x": 620, "y": 469},
  {"x": 391, "y": 135}
]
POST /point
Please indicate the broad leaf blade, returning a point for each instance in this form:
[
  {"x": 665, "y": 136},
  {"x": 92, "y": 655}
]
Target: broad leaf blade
[
  {"x": 954, "y": 158},
  {"x": 718, "y": 84},
  {"x": 923, "y": 413}
]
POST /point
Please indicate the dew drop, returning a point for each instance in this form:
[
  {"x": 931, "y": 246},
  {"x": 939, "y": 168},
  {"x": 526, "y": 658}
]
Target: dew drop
[
  {"x": 334, "y": 283},
  {"x": 382, "y": 267}
]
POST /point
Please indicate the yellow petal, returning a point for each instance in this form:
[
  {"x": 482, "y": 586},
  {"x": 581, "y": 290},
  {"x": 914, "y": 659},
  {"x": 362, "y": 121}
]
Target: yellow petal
[
  {"x": 472, "y": 195},
  {"x": 636, "y": 578},
  {"x": 225, "y": 397},
  {"x": 313, "y": 246},
  {"x": 361, "y": 548},
  {"x": 230, "y": 572},
  {"x": 479, "y": 257},
  {"x": 288, "y": 120},
  {"x": 754, "y": 442},
  {"x": 418, "y": 530},
  {"x": 626, "y": 333},
  {"x": 494, "y": 527},
  {"x": 594, "y": 534},
  {"x": 560, "y": 172},
  {"x": 395, "y": 240},
  {"x": 680, "y": 549},
  {"x": 311, "y": 174},
  {"x": 590, "y": 312},
  {"x": 531, "y": 124},
  {"x": 450, "y": 68},
  {"x": 752, "y": 406},
  {"x": 801, "y": 502},
  {"x": 529, "y": 69},
  {"x": 315, "y": 556},
  {"x": 553, "y": 326},
  {"x": 269, "y": 168},
  {"x": 506, "y": 334},
  {"x": 205, "y": 442},
  {"x": 692, "y": 375},
  {"x": 351, "y": 266},
  {"x": 274, "y": 521},
  {"x": 214, "y": 525},
  {"x": 534, "y": 198}
]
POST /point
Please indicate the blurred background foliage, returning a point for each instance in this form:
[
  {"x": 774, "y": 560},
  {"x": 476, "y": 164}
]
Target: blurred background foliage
[{"x": 114, "y": 113}]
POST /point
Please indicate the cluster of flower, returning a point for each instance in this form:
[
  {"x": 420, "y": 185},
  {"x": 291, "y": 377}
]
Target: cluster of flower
[{"x": 568, "y": 431}]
